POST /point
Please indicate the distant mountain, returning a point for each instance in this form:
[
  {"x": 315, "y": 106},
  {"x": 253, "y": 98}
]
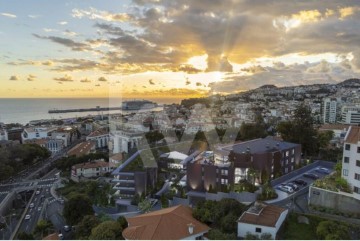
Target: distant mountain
[
  {"x": 350, "y": 83},
  {"x": 268, "y": 87}
]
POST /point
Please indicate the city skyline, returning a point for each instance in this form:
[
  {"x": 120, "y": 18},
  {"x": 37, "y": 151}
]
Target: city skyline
[{"x": 159, "y": 48}]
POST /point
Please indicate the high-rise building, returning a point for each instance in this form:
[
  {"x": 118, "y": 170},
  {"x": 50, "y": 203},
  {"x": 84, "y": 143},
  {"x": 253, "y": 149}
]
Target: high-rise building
[{"x": 330, "y": 110}]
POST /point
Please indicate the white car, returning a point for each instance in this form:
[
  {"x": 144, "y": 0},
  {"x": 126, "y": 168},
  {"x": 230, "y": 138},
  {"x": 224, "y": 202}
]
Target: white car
[
  {"x": 31, "y": 205},
  {"x": 37, "y": 192},
  {"x": 39, "y": 209},
  {"x": 27, "y": 217}
]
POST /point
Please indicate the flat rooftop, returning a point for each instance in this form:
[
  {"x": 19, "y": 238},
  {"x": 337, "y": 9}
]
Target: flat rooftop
[{"x": 259, "y": 146}]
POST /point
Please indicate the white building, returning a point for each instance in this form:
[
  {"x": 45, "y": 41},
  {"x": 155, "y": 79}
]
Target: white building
[
  {"x": 261, "y": 219},
  {"x": 351, "y": 160},
  {"x": 36, "y": 133},
  {"x": 350, "y": 114},
  {"x": 125, "y": 140},
  {"x": 91, "y": 169},
  {"x": 330, "y": 110},
  {"x": 3, "y": 135},
  {"x": 101, "y": 137}
]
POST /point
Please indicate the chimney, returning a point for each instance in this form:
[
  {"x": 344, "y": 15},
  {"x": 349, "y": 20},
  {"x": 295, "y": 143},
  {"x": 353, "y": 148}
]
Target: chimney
[{"x": 191, "y": 228}]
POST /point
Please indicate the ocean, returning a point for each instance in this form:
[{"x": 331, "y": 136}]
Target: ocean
[{"x": 24, "y": 110}]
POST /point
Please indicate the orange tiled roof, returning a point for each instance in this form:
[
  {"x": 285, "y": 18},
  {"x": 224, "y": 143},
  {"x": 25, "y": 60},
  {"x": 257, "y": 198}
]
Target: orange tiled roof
[
  {"x": 165, "y": 224},
  {"x": 354, "y": 135},
  {"x": 268, "y": 216}
]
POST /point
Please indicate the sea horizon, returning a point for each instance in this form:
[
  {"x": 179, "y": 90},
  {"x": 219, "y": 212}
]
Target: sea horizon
[{"x": 24, "y": 110}]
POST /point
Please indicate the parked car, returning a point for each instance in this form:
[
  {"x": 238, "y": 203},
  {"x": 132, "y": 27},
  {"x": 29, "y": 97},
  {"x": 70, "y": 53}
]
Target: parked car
[
  {"x": 311, "y": 176},
  {"x": 293, "y": 185},
  {"x": 300, "y": 182},
  {"x": 61, "y": 236},
  {"x": 67, "y": 228},
  {"x": 323, "y": 170},
  {"x": 37, "y": 192},
  {"x": 31, "y": 205},
  {"x": 27, "y": 217},
  {"x": 39, "y": 209},
  {"x": 285, "y": 188}
]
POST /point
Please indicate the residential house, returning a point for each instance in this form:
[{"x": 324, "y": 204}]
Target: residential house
[
  {"x": 36, "y": 133},
  {"x": 91, "y": 169},
  {"x": 260, "y": 219},
  {"x": 172, "y": 223}
]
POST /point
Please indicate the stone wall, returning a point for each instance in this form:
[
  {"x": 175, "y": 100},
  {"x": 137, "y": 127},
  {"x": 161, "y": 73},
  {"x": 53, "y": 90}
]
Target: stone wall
[{"x": 340, "y": 202}]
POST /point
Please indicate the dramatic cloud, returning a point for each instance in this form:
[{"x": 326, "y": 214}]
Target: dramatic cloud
[
  {"x": 297, "y": 74},
  {"x": 62, "y": 23},
  {"x": 76, "y": 46},
  {"x": 31, "y": 77},
  {"x": 86, "y": 80},
  {"x": 14, "y": 77},
  {"x": 66, "y": 78},
  {"x": 9, "y": 15},
  {"x": 93, "y": 13},
  {"x": 102, "y": 79}
]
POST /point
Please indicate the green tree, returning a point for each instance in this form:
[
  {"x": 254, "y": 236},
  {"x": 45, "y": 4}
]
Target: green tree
[
  {"x": 229, "y": 223},
  {"x": 43, "y": 228},
  {"x": 123, "y": 222},
  {"x": 301, "y": 129},
  {"x": 216, "y": 234},
  {"x": 332, "y": 230},
  {"x": 78, "y": 206},
  {"x": 25, "y": 236},
  {"x": 108, "y": 230},
  {"x": 145, "y": 206},
  {"x": 164, "y": 201},
  {"x": 83, "y": 229}
]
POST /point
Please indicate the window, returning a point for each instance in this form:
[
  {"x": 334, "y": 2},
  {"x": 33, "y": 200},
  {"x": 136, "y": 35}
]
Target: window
[
  {"x": 287, "y": 153},
  {"x": 293, "y": 151},
  {"x": 286, "y": 170},
  {"x": 287, "y": 162},
  {"x": 346, "y": 159},
  {"x": 357, "y": 163},
  {"x": 357, "y": 176},
  {"x": 358, "y": 149},
  {"x": 357, "y": 190},
  {"x": 345, "y": 172},
  {"x": 347, "y": 147},
  {"x": 224, "y": 181},
  {"x": 224, "y": 172},
  {"x": 258, "y": 230},
  {"x": 292, "y": 159}
]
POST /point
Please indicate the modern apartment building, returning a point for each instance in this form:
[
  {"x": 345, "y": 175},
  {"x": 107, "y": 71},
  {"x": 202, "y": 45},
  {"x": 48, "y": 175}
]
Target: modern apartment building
[
  {"x": 330, "y": 110},
  {"x": 351, "y": 160},
  {"x": 350, "y": 114},
  {"x": 229, "y": 164},
  {"x": 136, "y": 174}
]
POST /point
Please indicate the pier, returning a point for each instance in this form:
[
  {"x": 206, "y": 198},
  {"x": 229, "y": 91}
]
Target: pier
[{"x": 84, "y": 110}]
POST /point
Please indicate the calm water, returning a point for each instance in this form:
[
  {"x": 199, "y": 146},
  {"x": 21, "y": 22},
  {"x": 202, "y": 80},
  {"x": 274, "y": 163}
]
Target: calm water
[{"x": 24, "y": 110}]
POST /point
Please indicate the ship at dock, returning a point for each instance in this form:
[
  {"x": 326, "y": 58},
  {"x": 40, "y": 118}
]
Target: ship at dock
[{"x": 138, "y": 105}]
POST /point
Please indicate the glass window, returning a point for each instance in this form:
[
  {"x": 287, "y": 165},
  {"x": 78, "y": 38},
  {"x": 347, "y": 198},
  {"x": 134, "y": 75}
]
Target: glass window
[
  {"x": 358, "y": 163},
  {"x": 357, "y": 176},
  {"x": 357, "y": 190},
  {"x": 258, "y": 230},
  {"x": 346, "y": 159},
  {"x": 347, "y": 147},
  {"x": 358, "y": 149},
  {"x": 345, "y": 172}
]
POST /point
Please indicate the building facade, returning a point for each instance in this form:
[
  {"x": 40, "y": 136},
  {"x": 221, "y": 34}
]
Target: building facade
[
  {"x": 351, "y": 160},
  {"x": 101, "y": 137},
  {"x": 350, "y": 114},
  {"x": 230, "y": 164},
  {"x": 330, "y": 110}
]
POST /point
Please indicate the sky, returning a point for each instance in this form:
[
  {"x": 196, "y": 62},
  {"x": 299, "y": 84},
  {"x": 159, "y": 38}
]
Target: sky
[{"x": 173, "y": 48}]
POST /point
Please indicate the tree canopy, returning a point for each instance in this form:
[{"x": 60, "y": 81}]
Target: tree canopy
[
  {"x": 78, "y": 206},
  {"x": 83, "y": 229},
  {"x": 108, "y": 230},
  {"x": 331, "y": 230},
  {"x": 301, "y": 129}
]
